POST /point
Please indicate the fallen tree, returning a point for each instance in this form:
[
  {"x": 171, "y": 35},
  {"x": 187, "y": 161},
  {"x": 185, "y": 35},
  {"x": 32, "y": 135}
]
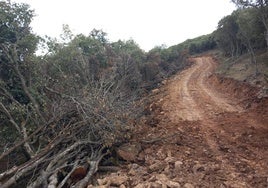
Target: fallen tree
[{"x": 67, "y": 149}]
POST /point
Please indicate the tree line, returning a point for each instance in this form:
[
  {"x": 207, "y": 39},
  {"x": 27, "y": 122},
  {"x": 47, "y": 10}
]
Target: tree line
[{"x": 245, "y": 30}]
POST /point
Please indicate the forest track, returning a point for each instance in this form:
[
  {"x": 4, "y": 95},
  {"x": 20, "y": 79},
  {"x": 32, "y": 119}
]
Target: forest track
[{"x": 219, "y": 142}]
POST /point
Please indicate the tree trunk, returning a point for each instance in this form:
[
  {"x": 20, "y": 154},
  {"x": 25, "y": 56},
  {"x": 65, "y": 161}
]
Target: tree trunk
[
  {"x": 253, "y": 59},
  {"x": 264, "y": 20},
  {"x": 266, "y": 38}
]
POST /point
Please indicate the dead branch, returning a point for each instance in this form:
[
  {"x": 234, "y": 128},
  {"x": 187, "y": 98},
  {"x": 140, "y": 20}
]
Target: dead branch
[
  {"x": 22, "y": 171},
  {"x": 63, "y": 182},
  {"x": 24, "y": 140},
  {"x": 66, "y": 133},
  {"x": 93, "y": 164}
]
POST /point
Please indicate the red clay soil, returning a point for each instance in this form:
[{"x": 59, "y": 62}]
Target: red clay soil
[{"x": 202, "y": 131}]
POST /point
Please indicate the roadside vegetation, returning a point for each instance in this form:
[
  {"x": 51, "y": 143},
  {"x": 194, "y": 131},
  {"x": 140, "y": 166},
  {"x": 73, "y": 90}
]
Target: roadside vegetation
[
  {"x": 242, "y": 37},
  {"x": 63, "y": 112}
]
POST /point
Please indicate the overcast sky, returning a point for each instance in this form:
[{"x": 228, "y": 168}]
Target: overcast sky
[{"x": 148, "y": 22}]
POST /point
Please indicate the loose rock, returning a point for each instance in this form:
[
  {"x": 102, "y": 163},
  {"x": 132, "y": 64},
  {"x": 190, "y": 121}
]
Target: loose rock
[
  {"x": 188, "y": 185},
  {"x": 129, "y": 152},
  {"x": 178, "y": 165}
]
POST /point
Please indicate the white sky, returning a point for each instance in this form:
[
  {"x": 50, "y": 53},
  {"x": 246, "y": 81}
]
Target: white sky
[{"x": 148, "y": 22}]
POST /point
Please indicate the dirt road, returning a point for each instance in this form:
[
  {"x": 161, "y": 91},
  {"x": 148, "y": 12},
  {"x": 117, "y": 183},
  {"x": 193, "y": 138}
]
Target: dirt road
[{"x": 196, "y": 136}]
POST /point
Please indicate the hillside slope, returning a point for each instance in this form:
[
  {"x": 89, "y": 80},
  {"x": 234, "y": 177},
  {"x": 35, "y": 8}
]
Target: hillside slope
[{"x": 242, "y": 69}]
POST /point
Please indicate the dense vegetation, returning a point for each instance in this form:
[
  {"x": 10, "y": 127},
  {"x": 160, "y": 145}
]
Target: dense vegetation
[
  {"x": 245, "y": 30},
  {"x": 60, "y": 112},
  {"x": 64, "y": 111}
]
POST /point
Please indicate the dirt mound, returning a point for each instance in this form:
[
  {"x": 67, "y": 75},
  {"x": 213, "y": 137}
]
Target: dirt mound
[
  {"x": 200, "y": 130},
  {"x": 254, "y": 99}
]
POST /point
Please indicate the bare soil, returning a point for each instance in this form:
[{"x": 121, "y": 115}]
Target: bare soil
[{"x": 200, "y": 130}]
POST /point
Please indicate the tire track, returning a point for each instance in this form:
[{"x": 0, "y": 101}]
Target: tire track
[{"x": 192, "y": 99}]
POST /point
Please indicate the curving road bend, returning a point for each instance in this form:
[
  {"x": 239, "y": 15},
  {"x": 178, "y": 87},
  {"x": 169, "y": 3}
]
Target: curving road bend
[
  {"x": 196, "y": 136},
  {"x": 219, "y": 122}
]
